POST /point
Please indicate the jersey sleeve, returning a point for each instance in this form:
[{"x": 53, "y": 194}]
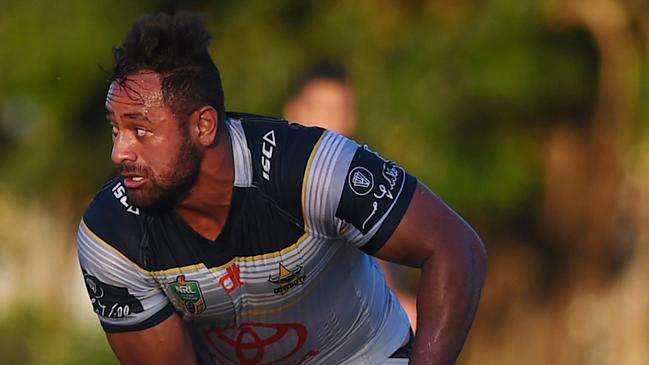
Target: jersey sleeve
[
  {"x": 125, "y": 296},
  {"x": 354, "y": 193}
]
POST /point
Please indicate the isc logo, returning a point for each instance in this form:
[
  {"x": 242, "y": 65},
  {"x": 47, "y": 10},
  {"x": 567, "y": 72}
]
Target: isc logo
[
  {"x": 267, "y": 147},
  {"x": 119, "y": 192}
]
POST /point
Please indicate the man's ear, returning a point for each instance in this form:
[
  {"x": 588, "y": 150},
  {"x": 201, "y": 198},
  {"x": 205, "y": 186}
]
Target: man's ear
[{"x": 206, "y": 125}]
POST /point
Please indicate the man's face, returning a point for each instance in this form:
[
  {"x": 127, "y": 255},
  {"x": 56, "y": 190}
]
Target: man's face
[{"x": 153, "y": 148}]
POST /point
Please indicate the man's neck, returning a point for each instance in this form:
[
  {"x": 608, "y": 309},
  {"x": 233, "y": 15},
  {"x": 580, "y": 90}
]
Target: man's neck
[{"x": 207, "y": 205}]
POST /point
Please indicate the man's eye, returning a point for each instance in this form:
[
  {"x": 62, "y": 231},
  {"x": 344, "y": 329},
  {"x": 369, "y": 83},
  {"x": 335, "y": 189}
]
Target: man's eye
[{"x": 141, "y": 132}]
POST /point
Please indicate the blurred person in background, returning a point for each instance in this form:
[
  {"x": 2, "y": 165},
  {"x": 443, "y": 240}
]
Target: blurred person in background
[
  {"x": 325, "y": 97},
  {"x": 240, "y": 239}
]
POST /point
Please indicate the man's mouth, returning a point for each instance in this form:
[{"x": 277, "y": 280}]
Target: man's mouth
[{"x": 134, "y": 181}]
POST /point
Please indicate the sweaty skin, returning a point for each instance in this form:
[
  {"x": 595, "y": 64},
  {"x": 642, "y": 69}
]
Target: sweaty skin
[{"x": 453, "y": 267}]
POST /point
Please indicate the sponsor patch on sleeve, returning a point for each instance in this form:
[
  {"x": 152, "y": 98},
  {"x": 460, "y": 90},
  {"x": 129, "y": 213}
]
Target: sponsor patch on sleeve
[
  {"x": 110, "y": 301},
  {"x": 373, "y": 187}
]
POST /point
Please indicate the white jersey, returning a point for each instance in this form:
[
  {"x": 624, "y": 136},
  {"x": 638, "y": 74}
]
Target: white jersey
[{"x": 288, "y": 281}]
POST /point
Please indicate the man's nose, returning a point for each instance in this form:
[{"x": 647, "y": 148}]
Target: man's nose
[{"x": 123, "y": 150}]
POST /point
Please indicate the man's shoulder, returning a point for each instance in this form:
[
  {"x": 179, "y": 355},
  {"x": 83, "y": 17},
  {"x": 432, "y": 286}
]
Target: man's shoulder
[
  {"x": 279, "y": 152},
  {"x": 274, "y": 143},
  {"x": 277, "y": 155},
  {"x": 111, "y": 220},
  {"x": 260, "y": 126}
]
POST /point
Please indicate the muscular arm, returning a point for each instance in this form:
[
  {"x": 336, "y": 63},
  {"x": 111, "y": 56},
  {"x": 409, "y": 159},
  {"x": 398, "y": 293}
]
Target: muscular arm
[
  {"x": 453, "y": 263},
  {"x": 167, "y": 343}
]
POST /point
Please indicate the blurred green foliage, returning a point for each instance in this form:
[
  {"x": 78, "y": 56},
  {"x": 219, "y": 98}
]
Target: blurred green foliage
[
  {"x": 459, "y": 99},
  {"x": 32, "y": 335},
  {"x": 51, "y": 91}
]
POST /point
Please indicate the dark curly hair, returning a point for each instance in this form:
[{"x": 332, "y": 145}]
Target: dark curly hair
[{"x": 175, "y": 46}]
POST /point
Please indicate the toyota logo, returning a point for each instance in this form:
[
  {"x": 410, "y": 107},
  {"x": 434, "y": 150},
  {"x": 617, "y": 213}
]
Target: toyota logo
[{"x": 251, "y": 343}]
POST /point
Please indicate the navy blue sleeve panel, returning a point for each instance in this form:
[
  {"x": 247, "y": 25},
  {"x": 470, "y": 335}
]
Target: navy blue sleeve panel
[
  {"x": 115, "y": 221},
  {"x": 110, "y": 301},
  {"x": 280, "y": 152},
  {"x": 375, "y": 197},
  {"x": 115, "y": 302},
  {"x": 392, "y": 221},
  {"x": 152, "y": 321}
]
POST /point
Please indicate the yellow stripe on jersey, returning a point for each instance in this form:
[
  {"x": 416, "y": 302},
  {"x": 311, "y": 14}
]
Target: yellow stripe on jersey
[
  {"x": 305, "y": 180},
  {"x": 107, "y": 245},
  {"x": 193, "y": 267},
  {"x": 281, "y": 252}
]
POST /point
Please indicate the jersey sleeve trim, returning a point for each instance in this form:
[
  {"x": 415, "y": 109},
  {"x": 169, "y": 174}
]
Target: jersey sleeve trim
[
  {"x": 152, "y": 321},
  {"x": 305, "y": 181},
  {"x": 241, "y": 154},
  {"x": 87, "y": 229},
  {"x": 393, "y": 219},
  {"x": 123, "y": 295}
]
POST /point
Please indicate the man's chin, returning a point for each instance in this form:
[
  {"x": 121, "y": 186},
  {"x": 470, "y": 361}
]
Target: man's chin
[
  {"x": 138, "y": 198},
  {"x": 152, "y": 201},
  {"x": 142, "y": 199}
]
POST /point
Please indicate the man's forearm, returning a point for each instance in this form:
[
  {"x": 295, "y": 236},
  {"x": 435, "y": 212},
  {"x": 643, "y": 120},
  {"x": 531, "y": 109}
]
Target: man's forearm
[{"x": 449, "y": 291}]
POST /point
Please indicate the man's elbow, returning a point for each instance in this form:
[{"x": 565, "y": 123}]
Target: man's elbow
[
  {"x": 466, "y": 251},
  {"x": 461, "y": 250},
  {"x": 477, "y": 253},
  {"x": 478, "y": 249}
]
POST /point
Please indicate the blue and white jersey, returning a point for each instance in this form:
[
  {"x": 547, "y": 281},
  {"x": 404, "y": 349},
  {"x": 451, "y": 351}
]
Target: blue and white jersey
[{"x": 289, "y": 279}]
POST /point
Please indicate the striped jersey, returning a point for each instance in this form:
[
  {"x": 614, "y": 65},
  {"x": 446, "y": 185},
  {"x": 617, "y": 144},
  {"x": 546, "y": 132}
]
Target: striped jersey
[{"x": 289, "y": 280}]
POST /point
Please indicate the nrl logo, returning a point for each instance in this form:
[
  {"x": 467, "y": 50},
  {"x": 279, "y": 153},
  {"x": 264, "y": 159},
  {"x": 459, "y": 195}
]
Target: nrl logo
[
  {"x": 189, "y": 293},
  {"x": 287, "y": 279}
]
